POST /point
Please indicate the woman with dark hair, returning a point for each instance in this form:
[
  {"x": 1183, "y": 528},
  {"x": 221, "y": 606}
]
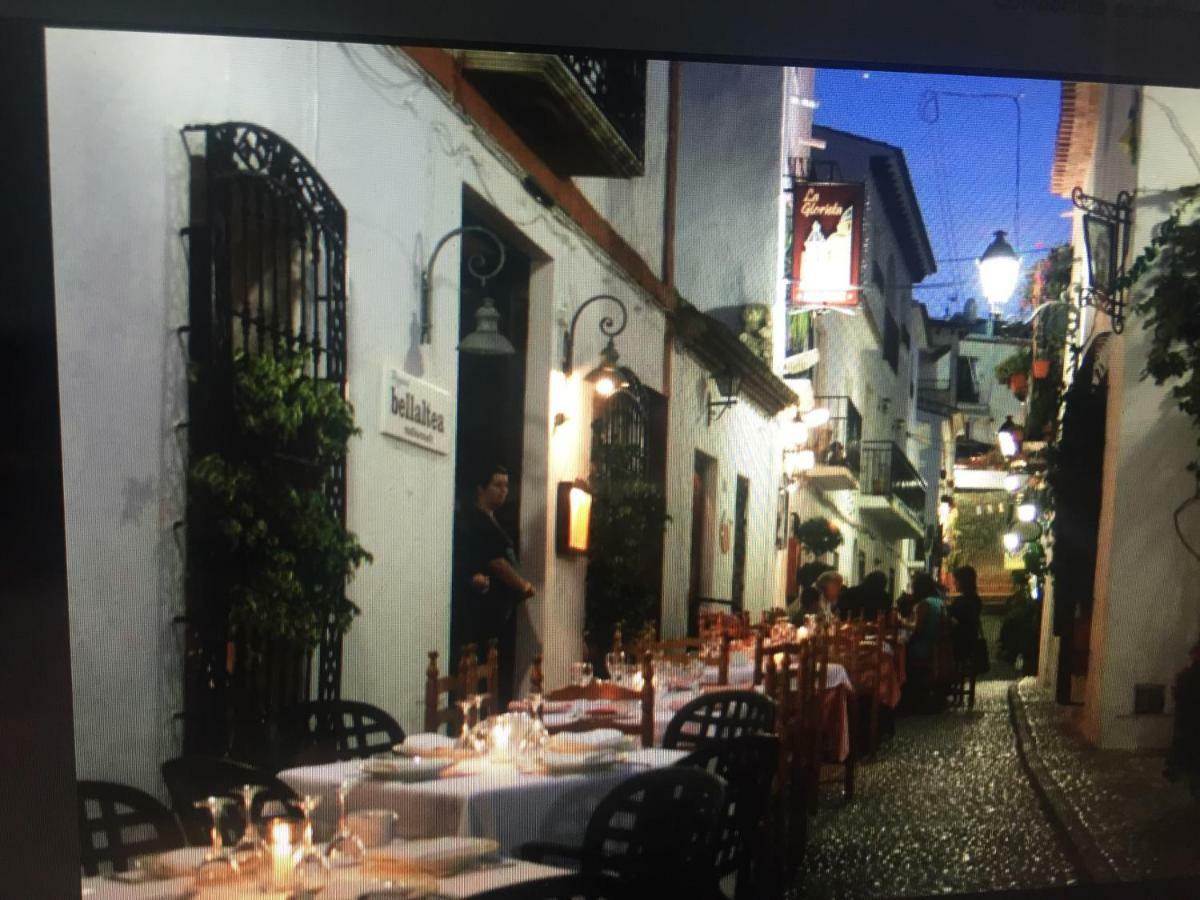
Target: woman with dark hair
[
  {"x": 965, "y": 613},
  {"x": 867, "y": 599},
  {"x": 485, "y": 607}
]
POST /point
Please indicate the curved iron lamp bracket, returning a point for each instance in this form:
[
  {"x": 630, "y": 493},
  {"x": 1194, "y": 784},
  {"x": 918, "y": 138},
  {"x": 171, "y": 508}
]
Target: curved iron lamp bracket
[
  {"x": 608, "y": 327},
  {"x": 475, "y": 265}
]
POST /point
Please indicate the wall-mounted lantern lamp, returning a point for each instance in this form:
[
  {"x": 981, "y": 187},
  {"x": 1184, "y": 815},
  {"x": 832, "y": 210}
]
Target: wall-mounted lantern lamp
[
  {"x": 486, "y": 339},
  {"x": 727, "y": 384},
  {"x": 1012, "y": 541},
  {"x": 1013, "y": 482},
  {"x": 606, "y": 378},
  {"x": 1027, "y": 512},
  {"x": 573, "y": 518},
  {"x": 1009, "y": 436}
]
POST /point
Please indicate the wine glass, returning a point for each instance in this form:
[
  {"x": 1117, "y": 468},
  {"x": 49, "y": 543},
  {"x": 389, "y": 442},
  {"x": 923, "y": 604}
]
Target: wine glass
[
  {"x": 311, "y": 868},
  {"x": 477, "y": 700},
  {"x": 581, "y": 674},
  {"x": 218, "y": 865},
  {"x": 346, "y": 848},
  {"x": 615, "y": 663},
  {"x": 535, "y": 701},
  {"x": 250, "y": 850},
  {"x": 464, "y": 739}
]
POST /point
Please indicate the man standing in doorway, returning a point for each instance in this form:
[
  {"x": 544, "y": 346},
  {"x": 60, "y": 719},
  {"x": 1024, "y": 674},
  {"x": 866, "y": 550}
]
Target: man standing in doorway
[{"x": 488, "y": 608}]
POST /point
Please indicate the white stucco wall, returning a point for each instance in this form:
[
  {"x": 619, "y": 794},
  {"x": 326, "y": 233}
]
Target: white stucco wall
[
  {"x": 729, "y": 184},
  {"x": 398, "y": 158},
  {"x": 1146, "y": 617}
]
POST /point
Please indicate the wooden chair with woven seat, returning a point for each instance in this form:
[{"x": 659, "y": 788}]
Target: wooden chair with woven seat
[
  {"x": 602, "y": 690},
  {"x": 192, "y": 778},
  {"x": 719, "y": 716},
  {"x": 785, "y": 681},
  {"x": 652, "y": 835},
  {"x": 324, "y": 731},
  {"x": 748, "y": 765},
  {"x": 118, "y": 823},
  {"x": 470, "y": 678}
]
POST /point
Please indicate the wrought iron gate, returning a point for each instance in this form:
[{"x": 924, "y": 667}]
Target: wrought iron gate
[{"x": 267, "y": 272}]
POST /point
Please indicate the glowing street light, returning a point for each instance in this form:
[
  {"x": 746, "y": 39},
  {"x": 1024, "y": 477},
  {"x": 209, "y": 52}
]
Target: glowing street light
[
  {"x": 1027, "y": 512},
  {"x": 1012, "y": 542},
  {"x": 999, "y": 268}
]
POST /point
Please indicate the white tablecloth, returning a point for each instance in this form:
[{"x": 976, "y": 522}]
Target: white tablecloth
[
  {"x": 345, "y": 884},
  {"x": 496, "y": 802}
]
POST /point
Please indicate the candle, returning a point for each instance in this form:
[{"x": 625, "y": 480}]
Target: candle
[
  {"x": 281, "y": 855},
  {"x": 802, "y": 633},
  {"x": 500, "y": 735},
  {"x": 638, "y": 681}
]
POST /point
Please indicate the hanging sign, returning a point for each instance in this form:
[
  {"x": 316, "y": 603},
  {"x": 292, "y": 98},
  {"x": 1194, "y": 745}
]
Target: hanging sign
[
  {"x": 826, "y": 244},
  {"x": 416, "y": 412}
]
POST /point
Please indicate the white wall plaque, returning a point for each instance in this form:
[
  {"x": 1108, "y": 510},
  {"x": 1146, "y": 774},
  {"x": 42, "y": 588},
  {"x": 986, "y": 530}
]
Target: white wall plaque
[{"x": 416, "y": 412}]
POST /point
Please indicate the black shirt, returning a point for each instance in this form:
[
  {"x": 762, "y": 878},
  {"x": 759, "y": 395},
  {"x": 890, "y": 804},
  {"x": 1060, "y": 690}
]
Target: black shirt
[{"x": 483, "y": 541}]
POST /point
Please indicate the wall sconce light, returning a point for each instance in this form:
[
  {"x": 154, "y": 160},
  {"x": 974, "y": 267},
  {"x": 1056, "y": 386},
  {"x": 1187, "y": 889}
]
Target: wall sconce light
[
  {"x": 1013, "y": 482},
  {"x": 573, "y": 518},
  {"x": 606, "y": 378},
  {"x": 727, "y": 384},
  {"x": 486, "y": 339},
  {"x": 816, "y": 417},
  {"x": 1027, "y": 512},
  {"x": 1009, "y": 436},
  {"x": 1012, "y": 542}
]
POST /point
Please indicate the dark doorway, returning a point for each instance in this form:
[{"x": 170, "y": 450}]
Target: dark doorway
[
  {"x": 740, "y": 523},
  {"x": 703, "y": 472},
  {"x": 1077, "y": 493},
  {"x": 491, "y": 398}
]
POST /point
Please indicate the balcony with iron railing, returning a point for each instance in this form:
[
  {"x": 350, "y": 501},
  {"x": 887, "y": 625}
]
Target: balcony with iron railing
[
  {"x": 837, "y": 445},
  {"x": 891, "y": 492},
  {"x": 583, "y": 114}
]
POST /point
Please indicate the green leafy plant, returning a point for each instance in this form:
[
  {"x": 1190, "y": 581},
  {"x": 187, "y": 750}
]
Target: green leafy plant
[
  {"x": 261, "y": 508},
  {"x": 629, "y": 513},
  {"x": 1018, "y": 363},
  {"x": 817, "y": 535}
]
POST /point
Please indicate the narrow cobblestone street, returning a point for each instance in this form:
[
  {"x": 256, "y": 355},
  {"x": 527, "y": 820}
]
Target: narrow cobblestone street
[{"x": 946, "y": 807}]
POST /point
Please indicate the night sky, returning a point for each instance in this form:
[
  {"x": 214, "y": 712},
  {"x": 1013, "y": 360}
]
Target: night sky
[{"x": 963, "y": 165}]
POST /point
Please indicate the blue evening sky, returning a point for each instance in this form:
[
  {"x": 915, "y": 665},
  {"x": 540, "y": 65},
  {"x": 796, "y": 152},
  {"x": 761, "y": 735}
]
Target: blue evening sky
[{"x": 963, "y": 165}]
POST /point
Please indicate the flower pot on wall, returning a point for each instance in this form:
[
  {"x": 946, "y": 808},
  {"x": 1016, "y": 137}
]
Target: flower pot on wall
[
  {"x": 1041, "y": 368},
  {"x": 1018, "y": 383}
]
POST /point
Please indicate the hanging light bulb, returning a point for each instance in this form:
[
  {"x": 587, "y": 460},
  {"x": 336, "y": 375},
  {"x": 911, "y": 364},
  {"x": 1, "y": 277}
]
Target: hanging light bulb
[
  {"x": 1027, "y": 512},
  {"x": 999, "y": 268},
  {"x": 1012, "y": 542},
  {"x": 1013, "y": 482},
  {"x": 1009, "y": 436}
]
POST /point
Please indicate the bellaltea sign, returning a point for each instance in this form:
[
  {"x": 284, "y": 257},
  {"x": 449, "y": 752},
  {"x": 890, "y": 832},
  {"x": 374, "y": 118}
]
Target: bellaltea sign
[
  {"x": 416, "y": 412},
  {"x": 826, "y": 244}
]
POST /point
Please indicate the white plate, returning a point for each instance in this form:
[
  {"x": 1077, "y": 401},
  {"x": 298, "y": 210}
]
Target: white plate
[
  {"x": 415, "y": 768},
  {"x": 426, "y": 744},
  {"x": 173, "y": 863},
  {"x": 587, "y": 741},
  {"x": 574, "y": 763},
  {"x": 437, "y": 856}
]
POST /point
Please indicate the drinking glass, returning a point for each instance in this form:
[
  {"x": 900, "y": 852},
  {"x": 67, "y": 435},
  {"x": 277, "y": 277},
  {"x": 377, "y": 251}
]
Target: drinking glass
[
  {"x": 346, "y": 848},
  {"x": 477, "y": 700},
  {"x": 250, "y": 851},
  {"x": 311, "y": 869},
  {"x": 535, "y": 701},
  {"x": 218, "y": 864},
  {"x": 581, "y": 674},
  {"x": 615, "y": 663}
]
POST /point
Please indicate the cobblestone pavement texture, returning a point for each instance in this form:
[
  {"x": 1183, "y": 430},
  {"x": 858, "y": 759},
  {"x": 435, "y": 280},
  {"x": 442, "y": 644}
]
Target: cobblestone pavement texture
[
  {"x": 946, "y": 807},
  {"x": 1144, "y": 825}
]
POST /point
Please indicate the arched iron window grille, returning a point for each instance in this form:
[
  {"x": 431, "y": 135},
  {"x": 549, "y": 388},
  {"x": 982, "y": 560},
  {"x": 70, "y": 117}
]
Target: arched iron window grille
[{"x": 267, "y": 271}]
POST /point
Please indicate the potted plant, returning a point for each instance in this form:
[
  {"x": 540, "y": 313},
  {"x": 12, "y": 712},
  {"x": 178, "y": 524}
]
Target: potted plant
[
  {"x": 817, "y": 535},
  {"x": 1041, "y": 368},
  {"x": 1014, "y": 372}
]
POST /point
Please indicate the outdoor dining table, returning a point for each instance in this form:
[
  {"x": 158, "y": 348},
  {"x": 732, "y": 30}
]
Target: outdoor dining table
[
  {"x": 344, "y": 884},
  {"x": 476, "y": 798}
]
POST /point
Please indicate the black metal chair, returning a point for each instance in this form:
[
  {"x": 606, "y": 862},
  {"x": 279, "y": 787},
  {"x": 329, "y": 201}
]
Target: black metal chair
[
  {"x": 719, "y": 716},
  {"x": 118, "y": 823},
  {"x": 323, "y": 731},
  {"x": 192, "y": 778},
  {"x": 652, "y": 835},
  {"x": 748, "y": 765},
  {"x": 564, "y": 887}
]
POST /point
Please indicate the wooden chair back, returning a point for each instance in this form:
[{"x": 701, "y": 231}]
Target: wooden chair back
[
  {"x": 470, "y": 678},
  {"x": 603, "y": 690}
]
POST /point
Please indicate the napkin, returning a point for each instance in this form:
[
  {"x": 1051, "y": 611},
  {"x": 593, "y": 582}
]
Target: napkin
[
  {"x": 586, "y": 741},
  {"x": 173, "y": 889},
  {"x": 427, "y": 744},
  {"x": 439, "y": 857}
]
